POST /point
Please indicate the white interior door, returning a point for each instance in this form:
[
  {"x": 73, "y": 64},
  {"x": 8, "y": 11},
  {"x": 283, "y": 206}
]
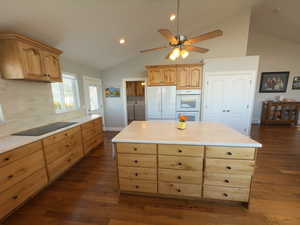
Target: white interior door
[
  {"x": 154, "y": 103},
  {"x": 93, "y": 95},
  {"x": 168, "y": 102}
]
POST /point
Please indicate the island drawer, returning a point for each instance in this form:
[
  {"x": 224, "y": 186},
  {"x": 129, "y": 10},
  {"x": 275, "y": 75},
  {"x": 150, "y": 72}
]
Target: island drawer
[
  {"x": 226, "y": 193},
  {"x": 19, "y": 153},
  {"x": 180, "y": 162},
  {"x": 20, "y": 169},
  {"x": 138, "y": 185},
  {"x": 137, "y": 148},
  {"x": 138, "y": 173},
  {"x": 136, "y": 160},
  {"x": 17, "y": 194},
  {"x": 242, "y": 167},
  {"x": 181, "y": 150},
  {"x": 192, "y": 190},
  {"x": 180, "y": 176},
  {"x": 230, "y": 152},
  {"x": 229, "y": 180}
]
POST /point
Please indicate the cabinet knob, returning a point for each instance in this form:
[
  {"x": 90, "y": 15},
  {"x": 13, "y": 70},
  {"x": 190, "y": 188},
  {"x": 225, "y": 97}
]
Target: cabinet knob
[
  {"x": 229, "y": 153},
  {"x": 228, "y": 167},
  {"x": 136, "y": 174},
  {"x": 226, "y": 195},
  {"x": 135, "y": 149},
  {"x": 6, "y": 159},
  {"x": 179, "y": 177},
  {"x": 224, "y": 110},
  {"x": 227, "y": 110},
  {"x": 226, "y": 181},
  {"x": 10, "y": 176},
  {"x": 15, "y": 197},
  {"x": 137, "y": 186},
  {"x": 179, "y": 150},
  {"x": 179, "y": 164},
  {"x": 136, "y": 161},
  {"x": 178, "y": 190}
]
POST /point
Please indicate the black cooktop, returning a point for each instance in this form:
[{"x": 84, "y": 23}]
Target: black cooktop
[{"x": 38, "y": 131}]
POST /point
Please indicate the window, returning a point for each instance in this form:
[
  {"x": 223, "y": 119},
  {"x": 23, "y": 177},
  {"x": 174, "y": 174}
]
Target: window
[
  {"x": 94, "y": 103},
  {"x": 66, "y": 94}
]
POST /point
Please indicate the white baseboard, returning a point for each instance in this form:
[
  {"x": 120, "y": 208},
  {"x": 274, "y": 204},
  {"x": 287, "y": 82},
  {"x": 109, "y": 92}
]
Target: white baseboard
[
  {"x": 255, "y": 121},
  {"x": 113, "y": 128}
]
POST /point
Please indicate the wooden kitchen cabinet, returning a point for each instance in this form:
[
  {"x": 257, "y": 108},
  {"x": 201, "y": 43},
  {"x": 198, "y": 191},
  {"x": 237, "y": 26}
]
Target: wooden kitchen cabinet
[
  {"x": 135, "y": 88},
  {"x": 184, "y": 76},
  {"x": 26, "y": 59}
]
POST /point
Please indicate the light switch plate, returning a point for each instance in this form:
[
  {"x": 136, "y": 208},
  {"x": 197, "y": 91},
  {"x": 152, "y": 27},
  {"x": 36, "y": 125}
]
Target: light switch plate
[{"x": 1, "y": 115}]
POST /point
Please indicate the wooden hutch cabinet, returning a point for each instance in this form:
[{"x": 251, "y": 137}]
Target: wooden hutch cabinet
[{"x": 27, "y": 59}]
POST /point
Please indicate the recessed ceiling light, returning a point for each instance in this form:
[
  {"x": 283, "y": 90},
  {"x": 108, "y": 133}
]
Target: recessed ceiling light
[
  {"x": 122, "y": 41},
  {"x": 172, "y": 17}
]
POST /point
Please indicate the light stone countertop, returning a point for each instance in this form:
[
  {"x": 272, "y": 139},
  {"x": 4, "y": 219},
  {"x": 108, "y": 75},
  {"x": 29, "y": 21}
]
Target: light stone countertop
[
  {"x": 11, "y": 142},
  {"x": 196, "y": 133}
]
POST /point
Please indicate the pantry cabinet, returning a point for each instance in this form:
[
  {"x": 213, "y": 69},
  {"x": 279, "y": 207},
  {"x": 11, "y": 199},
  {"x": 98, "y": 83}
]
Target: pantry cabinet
[
  {"x": 184, "y": 76},
  {"x": 26, "y": 59}
]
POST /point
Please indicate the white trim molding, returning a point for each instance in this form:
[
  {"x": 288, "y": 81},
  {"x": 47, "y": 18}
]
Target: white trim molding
[{"x": 113, "y": 128}]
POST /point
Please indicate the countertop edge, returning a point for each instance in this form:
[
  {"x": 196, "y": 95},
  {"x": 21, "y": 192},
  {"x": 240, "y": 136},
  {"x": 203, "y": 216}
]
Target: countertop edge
[
  {"x": 32, "y": 139},
  {"x": 258, "y": 145}
]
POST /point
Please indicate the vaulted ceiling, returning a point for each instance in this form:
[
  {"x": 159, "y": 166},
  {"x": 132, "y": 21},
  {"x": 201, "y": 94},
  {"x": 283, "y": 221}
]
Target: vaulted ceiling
[{"x": 88, "y": 31}]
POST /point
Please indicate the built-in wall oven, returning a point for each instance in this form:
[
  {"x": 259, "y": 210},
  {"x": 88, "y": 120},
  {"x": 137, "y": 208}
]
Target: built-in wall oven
[{"x": 188, "y": 104}]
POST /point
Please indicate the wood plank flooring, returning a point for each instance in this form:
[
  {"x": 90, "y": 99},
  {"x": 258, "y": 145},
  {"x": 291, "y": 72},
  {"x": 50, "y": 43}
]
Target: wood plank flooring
[{"x": 87, "y": 194}]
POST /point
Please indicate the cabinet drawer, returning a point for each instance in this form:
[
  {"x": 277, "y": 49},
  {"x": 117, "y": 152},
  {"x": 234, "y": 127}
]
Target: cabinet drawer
[
  {"x": 20, "y": 192},
  {"x": 138, "y": 185},
  {"x": 230, "y": 152},
  {"x": 60, "y": 136},
  {"x": 89, "y": 133},
  {"x": 92, "y": 124},
  {"x": 242, "y": 167},
  {"x": 57, "y": 167},
  {"x": 181, "y": 150},
  {"x": 20, "y": 169},
  {"x": 138, "y": 173},
  {"x": 180, "y": 176},
  {"x": 226, "y": 193},
  {"x": 137, "y": 160},
  {"x": 19, "y": 153},
  {"x": 92, "y": 143},
  {"x": 221, "y": 179},
  {"x": 192, "y": 190},
  {"x": 180, "y": 162},
  {"x": 136, "y": 148}
]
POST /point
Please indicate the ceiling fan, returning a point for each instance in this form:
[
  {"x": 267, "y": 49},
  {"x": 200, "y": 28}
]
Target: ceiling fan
[{"x": 180, "y": 44}]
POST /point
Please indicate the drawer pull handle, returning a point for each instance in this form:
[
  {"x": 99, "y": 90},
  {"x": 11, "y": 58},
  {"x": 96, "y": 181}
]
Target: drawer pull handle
[
  {"x": 179, "y": 150},
  {"x": 69, "y": 160},
  {"x": 178, "y": 190},
  {"x": 179, "y": 164},
  {"x": 179, "y": 177},
  {"x": 6, "y": 159},
  {"x": 136, "y": 174},
  {"x": 15, "y": 197},
  {"x": 226, "y": 195},
  {"x": 226, "y": 181},
  {"x": 136, "y": 161},
  {"x": 137, "y": 186},
  {"x": 10, "y": 176},
  {"x": 228, "y": 167},
  {"x": 229, "y": 153},
  {"x": 135, "y": 149}
]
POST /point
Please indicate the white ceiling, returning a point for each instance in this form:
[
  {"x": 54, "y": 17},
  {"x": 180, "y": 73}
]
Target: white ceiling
[
  {"x": 280, "y": 18},
  {"x": 88, "y": 31}
]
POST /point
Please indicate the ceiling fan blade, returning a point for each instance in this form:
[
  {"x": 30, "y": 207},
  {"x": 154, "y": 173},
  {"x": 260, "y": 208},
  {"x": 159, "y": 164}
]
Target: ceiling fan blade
[
  {"x": 153, "y": 49},
  {"x": 168, "y": 35},
  {"x": 203, "y": 37},
  {"x": 168, "y": 55},
  {"x": 195, "y": 49}
]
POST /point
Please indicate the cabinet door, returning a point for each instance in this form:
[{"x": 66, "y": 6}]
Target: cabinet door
[
  {"x": 130, "y": 88},
  {"x": 168, "y": 75},
  {"x": 154, "y": 103},
  {"x": 140, "y": 88},
  {"x": 32, "y": 62},
  {"x": 51, "y": 66},
  {"x": 196, "y": 77},
  {"x": 183, "y": 77},
  {"x": 155, "y": 77}
]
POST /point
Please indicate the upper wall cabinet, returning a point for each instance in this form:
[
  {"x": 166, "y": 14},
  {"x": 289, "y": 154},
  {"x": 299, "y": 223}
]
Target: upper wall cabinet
[
  {"x": 185, "y": 76},
  {"x": 22, "y": 58}
]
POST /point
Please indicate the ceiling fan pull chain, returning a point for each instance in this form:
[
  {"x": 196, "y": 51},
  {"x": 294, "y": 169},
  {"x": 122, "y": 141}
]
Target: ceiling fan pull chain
[{"x": 178, "y": 7}]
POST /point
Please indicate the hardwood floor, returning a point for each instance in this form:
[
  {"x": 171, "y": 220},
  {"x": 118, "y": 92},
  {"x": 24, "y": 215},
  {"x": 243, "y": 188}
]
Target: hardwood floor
[{"x": 87, "y": 194}]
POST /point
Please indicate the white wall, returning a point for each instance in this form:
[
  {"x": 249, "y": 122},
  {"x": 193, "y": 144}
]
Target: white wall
[
  {"x": 232, "y": 44},
  {"x": 28, "y": 104},
  {"x": 275, "y": 55}
]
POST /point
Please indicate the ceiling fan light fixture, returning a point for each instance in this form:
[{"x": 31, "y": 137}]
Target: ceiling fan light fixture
[
  {"x": 184, "y": 53},
  {"x": 172, "y": 16},
  {"x": 122, "y": 41}
]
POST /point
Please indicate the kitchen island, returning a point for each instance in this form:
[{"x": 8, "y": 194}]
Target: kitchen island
[{"x": 206, "y": 160}]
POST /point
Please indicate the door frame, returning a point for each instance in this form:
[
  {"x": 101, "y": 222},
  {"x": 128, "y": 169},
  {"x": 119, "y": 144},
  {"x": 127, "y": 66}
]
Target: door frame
[
  {"x": 252, "y": 73},
  {"x": 85, "y": 79},
  {"x": 124, "y": 93}
]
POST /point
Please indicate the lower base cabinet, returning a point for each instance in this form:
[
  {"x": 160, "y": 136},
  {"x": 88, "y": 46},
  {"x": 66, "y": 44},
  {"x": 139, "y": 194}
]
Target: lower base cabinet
[{"x": 185, "y": 171}]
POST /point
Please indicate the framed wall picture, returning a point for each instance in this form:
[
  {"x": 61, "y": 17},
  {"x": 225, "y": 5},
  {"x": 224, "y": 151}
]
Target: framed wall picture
[
  {"x": 112, "y": 92},
  {"x": 272, "y": 82},
  {"x": 296, "y": 83}
]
